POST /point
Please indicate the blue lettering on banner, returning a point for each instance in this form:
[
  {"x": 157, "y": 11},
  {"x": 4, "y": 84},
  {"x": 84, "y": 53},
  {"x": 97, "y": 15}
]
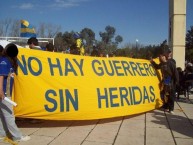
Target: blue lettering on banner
[
  {"x": 51, "y": 100},
  {"x": 146, "y": 97},
  {"x": 74, "y": 67},
  {"x": 27, "y": 65},
  {"x": 57, "y": 66},
  {"x": 23, "y": 66},
  {"x": 122, "y": 68},
  {"x": 103, "y": 97},
  {"x": 113, "y": 97},
  {"x": 141, "y": 69},
  {"x": 126, "y": 68},
  {"x": 109, "y": 72},
  {"x": 118, "y": 68},
  {"x": 136, "y": 91},
  {"x": 70, "y": 67},
  {"x": 32, "y": 69},
  {"x": 99, "y": 71},
  {"x": 131, "y": 96},
  {"x": 152, "y": 97},
  {"x": 66, "y": 99},
  {"x": 148, "y": 69},
  {"x": 122, "y": 96},
  {"x": 135, "y": 68},
  {"x": 80, "y": 65}
]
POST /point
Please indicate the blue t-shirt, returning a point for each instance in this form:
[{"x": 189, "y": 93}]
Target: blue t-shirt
[{"x": 5, "y": 69}]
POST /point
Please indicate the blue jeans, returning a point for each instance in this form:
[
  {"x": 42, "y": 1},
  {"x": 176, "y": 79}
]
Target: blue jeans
[{"x": 8, "y": 126}]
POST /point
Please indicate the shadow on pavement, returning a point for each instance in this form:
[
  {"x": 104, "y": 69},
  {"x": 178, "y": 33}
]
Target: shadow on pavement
[
  {"x": 26, "y": 123},
  {"x": 179, "y": 125}
]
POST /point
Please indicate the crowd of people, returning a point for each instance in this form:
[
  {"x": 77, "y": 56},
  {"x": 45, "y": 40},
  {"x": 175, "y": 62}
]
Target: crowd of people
[
  {"x": 174, "y": 81},
  {"x": 78, "y": 48},
  {"x": 185, "y": 80}
]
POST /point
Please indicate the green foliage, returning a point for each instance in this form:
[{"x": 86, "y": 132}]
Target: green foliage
[
  {"x": 107, "y": 46},
  {"x": 110, "y": 46},
  {"x": 189, "y": 54},
  {"x": 89, "y": 36},
  {"x": 64, "y": 41},
  {"x": 118, "y": 39},
  {"x": 146, "y": 52},
  {"x": 189, "y": 44}
]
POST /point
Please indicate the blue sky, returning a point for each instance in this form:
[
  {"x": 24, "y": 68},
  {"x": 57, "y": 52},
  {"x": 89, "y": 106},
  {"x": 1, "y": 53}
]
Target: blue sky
[{"x": 145, "y": 20}]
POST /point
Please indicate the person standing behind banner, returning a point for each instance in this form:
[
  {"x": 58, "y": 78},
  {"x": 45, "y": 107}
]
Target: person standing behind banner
[
  {"x": 33, "y": 43},
  {"x": 50, "y": 47},
  {"x": 168, "y": 54},
  {"x": 8, "y": 66},
  {"x": 169, "y": 80},
  {"x": 79, "y": 46}
]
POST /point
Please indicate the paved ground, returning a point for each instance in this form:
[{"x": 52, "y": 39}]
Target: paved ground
[{"x": 152, "y": 128}]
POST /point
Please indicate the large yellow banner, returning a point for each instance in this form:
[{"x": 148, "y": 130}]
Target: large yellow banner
[{"x": 58, "y": 86}]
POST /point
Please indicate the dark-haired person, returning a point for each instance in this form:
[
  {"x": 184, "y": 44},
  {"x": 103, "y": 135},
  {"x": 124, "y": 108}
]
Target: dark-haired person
[
  {"x": 168, "y": 54},
  {"x": 169, "y": 80},
  {"x": 188, "y": 80},
  {"x": 50, "y": 47},
  {"x": 1, "y": 50},
  {"x": 8, "y": 67},
  {"x": 33, "y": 43}
]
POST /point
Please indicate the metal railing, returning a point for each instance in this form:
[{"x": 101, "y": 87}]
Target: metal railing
[{"x": 22, "y": 41}]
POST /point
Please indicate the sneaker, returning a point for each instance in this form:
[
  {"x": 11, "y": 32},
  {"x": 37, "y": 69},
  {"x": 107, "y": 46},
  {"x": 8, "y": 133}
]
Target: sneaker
[
  {"x": 24, "y": 138},
  {"x": 172, "y": 112}
]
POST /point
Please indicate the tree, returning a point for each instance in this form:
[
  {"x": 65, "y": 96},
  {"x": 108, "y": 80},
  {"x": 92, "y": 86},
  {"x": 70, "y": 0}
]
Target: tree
[
  {"x": 41, "y": 30},
  {"x": 52, "y": 30},
  {"x": 48, "y": 30},
  {"x": 189, "y": 38},
  {"x": 88, "y": 35},
  {"x": 118, "y": 39},
  {"x": 5, "y": 27},
  {"x": 189, "y": 44},
  {"x": 15, "y": 28},
  {"x": 164, "y": 45},
  {"x": 59, "y": 44},
  {"x": 64, "y": 41},
  {"x": 107, "y": 36}
]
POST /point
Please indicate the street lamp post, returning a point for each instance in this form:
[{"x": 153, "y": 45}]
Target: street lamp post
[{"x": 136, "y": 42}]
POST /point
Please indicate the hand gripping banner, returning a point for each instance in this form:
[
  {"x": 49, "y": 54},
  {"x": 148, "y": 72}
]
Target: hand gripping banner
[{"x": 57, "y": 86}]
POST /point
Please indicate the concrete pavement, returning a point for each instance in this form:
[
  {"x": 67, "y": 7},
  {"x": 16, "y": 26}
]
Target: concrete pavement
[{"x": 152, "y": 128}]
